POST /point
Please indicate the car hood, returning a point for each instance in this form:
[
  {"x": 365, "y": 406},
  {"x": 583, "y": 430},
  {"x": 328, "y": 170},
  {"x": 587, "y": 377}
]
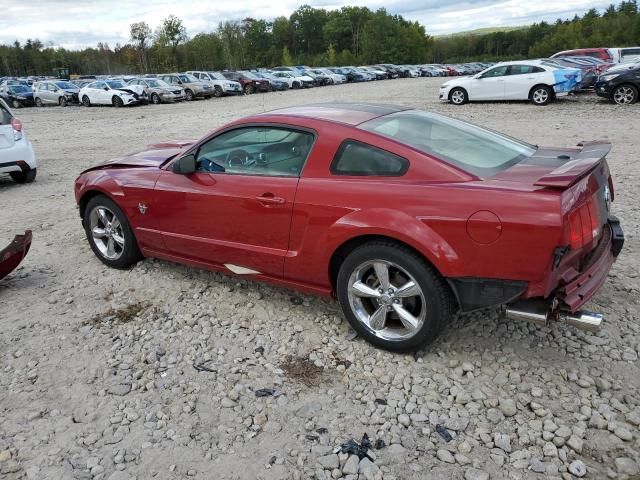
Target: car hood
[
  {"x": 458, "y": 82},
  {"x": 151, "y": 157}
]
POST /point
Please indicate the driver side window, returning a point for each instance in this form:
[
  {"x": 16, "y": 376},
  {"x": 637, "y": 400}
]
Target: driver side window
[{"x": 271, "y": 151}]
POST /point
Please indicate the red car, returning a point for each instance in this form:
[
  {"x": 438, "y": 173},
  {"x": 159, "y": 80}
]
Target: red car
[
  {"x": 601, "y": 53},
  {"x": 406, "y": 216}
]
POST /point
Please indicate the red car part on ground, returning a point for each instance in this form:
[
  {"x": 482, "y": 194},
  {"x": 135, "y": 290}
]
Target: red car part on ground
[
  {"x": 534, "y": 227},
  {"x": 13, "y": 254}
]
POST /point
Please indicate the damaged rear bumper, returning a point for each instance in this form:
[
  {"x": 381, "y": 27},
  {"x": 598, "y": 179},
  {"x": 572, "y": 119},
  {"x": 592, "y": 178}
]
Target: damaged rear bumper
[
  {"x": 579, "y": 287},
  {"x": 13, "y": 254}
]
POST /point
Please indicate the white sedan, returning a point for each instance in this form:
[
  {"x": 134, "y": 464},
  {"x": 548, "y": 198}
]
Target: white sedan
[
  {"x": 535, "y": 81},
  {"x": 16, "y": 152},
  {"x": 110, "y": 92}
]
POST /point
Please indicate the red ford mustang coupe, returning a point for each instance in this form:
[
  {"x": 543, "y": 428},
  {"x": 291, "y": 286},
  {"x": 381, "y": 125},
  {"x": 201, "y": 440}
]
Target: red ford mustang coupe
[{"x": 406, "y": 216}]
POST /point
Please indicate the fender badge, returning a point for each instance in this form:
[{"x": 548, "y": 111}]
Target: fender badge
[{"x": 142, "y": 207}]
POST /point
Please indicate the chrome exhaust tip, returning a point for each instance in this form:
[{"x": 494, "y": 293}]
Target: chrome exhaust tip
[
  {"x": 529, "y": 311},
  {"x": 588, "y": 321},
  {"x": 541, "y": 313}
]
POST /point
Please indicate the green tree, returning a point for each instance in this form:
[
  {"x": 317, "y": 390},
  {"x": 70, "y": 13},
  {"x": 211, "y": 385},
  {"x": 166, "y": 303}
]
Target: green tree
[
  {"x": 286, "y": 56},
  {"x": 140, "y": 33}
]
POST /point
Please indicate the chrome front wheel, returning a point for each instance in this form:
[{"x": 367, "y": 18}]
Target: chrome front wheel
[
  {"x": 106, "y": 232},
  {"x": 625, "y": 95},
  {"x": 109, "y": 233}
]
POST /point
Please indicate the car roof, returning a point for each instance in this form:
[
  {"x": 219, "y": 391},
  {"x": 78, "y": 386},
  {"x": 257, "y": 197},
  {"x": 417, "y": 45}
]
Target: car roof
[{"x": 346, "y": 113}]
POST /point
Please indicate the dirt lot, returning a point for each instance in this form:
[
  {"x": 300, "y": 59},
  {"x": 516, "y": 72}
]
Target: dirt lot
[{"x": 97, "y": 366}]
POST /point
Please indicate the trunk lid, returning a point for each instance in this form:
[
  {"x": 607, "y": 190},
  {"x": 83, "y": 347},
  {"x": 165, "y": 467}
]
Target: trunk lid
[
  {"x": 557, "y": 168},
  {"x": 580, "y": 177}
]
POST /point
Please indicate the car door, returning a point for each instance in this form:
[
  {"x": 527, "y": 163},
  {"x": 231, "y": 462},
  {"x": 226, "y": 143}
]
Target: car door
[
  {"x": 235, "y": 210},
  {"x": 49, "y": 94},
  {"x": 520, "y": 80},
  {"x": 96, "y": 92},
  {"x": 489, "y": 85}
]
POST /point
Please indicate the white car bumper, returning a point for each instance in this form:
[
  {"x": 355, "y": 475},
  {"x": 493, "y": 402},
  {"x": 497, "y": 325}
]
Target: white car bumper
[
  {"x": 444, "y": 93},
  {"x": 235, "y": 89},
  {"x": 18, "y": 157}
]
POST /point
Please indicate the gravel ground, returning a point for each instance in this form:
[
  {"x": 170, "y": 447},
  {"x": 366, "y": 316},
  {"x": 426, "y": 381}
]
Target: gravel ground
[{"x": 98, "y": 377}]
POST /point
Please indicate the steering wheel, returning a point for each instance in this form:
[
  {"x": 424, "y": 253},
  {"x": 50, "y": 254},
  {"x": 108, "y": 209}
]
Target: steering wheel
[{"x": 238, "y": 158}]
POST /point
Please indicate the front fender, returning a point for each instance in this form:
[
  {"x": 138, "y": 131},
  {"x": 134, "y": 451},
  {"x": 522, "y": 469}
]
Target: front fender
[
  {"x": 97, "y": 180},
  {"x": 398, "y": 226}
]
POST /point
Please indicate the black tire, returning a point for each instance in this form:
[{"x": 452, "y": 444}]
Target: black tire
[
  {"x": 117, "y": 102},
  {"x": 38, "y": 102},
  {"x": 541, "y": 95},
  {"x": 85, "y": 101},
  {"x": 295, "y": 85},
  {"x": 130, "y": 254},
  {"x": 625, "y": 94},
  {"x": 217, "y": 91},
  {"x": 155, "y": 98},
  {"x": 188, "y": 95},
  {"x": 458, "y": 96},
  {"x": 248, "y": 89},
  {"x": 63, "y": 102},
  {"x": 439, "y": 302},
  {"x": 24, "y": 177}
]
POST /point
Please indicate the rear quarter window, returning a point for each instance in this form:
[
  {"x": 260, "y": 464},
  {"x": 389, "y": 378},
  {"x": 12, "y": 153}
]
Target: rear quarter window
[{"x": 360, "y": 159}]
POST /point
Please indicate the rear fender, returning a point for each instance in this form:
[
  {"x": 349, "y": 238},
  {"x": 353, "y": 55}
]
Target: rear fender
[{"x": 398, "y": 226}]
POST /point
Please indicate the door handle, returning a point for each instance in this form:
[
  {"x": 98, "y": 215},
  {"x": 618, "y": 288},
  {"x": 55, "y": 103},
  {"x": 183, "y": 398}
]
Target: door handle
[{"x": 270, "y": 199}]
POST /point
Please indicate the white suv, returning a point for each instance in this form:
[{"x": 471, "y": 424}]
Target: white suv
[
  {"x": 220, "y": 84},
  {"x": 16, "y": 152}
]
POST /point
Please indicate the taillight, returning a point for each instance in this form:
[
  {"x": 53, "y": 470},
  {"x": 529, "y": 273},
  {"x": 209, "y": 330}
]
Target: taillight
[
  {"x": 583, "y": 225},
  {"x": 17, "y": 129}
]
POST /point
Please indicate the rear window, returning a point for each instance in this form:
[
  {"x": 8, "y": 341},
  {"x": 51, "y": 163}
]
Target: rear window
[
  {"x": 5, "y": 116},
  {"x": 360, "y": 159},
  {"x": 474, "y": 149}
]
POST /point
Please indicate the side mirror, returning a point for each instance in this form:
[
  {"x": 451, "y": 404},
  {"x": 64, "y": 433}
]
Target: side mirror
[
  {"x": 185, "y": 165},
  {"x": 179, "y": 82},
  {"x": 106, "y": 88}
]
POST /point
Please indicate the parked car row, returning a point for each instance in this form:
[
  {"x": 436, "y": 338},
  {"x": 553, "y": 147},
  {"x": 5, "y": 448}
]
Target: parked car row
[{"x": 542, "y": 80}]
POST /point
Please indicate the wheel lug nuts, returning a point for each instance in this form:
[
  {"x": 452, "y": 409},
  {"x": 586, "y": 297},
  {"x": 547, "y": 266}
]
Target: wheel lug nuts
[
  {"x": 380, "y": 290},
  {"x": 390, "y": 291}
]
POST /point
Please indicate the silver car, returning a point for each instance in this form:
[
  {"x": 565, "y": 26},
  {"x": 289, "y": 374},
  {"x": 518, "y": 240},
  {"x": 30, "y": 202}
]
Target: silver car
[
  {"x": 55, "y": 92},
  {"x": 158, "y": 91}
]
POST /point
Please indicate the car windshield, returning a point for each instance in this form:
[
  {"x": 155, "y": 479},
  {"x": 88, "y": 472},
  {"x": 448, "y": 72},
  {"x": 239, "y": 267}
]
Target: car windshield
[
  {"x": 156, "y": 83},
  {"x": 116, "y": 84},
  {"x": 187, "y": 78},
  {"x": 249, "y": 75},
  {"x": 474, "y": 149},
  {"x": 217, "y": 75},
  {"x": 66, "y": 85},
  {"x": 19, "y": 88}
]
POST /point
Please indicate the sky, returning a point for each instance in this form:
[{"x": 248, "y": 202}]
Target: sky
[{"x": 76, "y": 24}]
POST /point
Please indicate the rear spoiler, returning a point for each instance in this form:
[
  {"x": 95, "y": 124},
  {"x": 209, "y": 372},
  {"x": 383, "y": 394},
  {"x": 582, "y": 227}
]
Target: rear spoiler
[{"x": 591, "y": 154}]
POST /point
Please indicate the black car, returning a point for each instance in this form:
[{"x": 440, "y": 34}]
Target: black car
[
  {"x": 17, "y": 95},
  {"x": 622, "y": 87},
  {"x": 392, "y": 70}
]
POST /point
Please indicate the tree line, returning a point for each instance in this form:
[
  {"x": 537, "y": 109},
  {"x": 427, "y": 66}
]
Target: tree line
[{"x": 315, "y": 36}]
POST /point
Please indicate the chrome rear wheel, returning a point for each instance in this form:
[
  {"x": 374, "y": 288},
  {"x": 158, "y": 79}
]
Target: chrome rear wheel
[{"x": 387, "y": 300}]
